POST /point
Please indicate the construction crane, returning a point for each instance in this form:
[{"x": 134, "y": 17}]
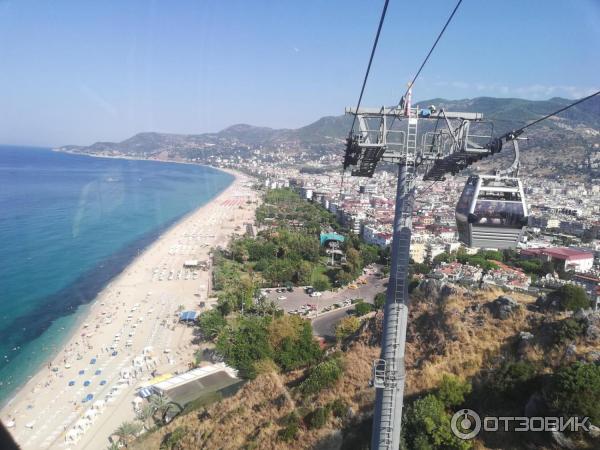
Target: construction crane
[{"x": 438, "y": 153}]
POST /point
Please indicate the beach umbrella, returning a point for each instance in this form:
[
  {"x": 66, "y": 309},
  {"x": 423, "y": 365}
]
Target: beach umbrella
[
  {"x": 98, "y": 372},
  {"x": 89, "y": 397},
  {"x": 81, "y": 372},
  {"x": 71, "y": 383},
  {"x": 103, "y": 382},
  {"x": 114, "y": 353},
  {"x": 86, "y": 383},
  {"x": 93, "y": 361}
]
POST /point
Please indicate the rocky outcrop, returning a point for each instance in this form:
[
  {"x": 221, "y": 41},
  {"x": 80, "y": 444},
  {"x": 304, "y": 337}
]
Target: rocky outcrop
[{"x": 503, "y": 307}]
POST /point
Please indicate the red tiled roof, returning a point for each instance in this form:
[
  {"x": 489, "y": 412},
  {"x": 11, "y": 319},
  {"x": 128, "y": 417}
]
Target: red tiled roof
[{"x": 565, "y": 253}]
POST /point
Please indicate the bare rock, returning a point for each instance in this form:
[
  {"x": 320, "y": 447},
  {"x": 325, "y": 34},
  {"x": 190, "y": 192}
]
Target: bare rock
[{"x": 503, "y": 307}]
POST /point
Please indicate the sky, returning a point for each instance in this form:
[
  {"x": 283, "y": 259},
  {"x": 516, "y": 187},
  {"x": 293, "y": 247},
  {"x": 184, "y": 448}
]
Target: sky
[{"x": 77, "y": 72}]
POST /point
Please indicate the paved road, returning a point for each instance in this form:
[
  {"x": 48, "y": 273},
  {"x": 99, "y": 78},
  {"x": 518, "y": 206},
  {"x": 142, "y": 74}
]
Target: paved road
[
  {"x": 324, "y": 325},
  {"x": 297, "y": 298}
]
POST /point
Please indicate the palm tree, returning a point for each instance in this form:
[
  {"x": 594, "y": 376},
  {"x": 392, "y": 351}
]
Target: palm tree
[
  {"x": 146, "y": 413},
  {"x": 127, "y": 431},
  {"x": 162, "y": 407}
]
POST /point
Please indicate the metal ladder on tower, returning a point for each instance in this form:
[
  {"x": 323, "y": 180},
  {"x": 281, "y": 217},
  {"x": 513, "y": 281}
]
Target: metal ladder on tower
[{"x": 411, "y": 134}]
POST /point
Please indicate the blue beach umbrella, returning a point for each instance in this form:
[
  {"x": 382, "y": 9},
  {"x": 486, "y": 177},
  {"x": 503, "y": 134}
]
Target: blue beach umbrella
[
  {"x": 114, "y": 353},
  {"x": 81, "y": 372},
  {"x": 89, "y": 397},
  {"x": 103, "y": 382},
  {"x": 86, "y": 383},
  {"x": 93, "y": 361},
  {"x": 71, "y": 383},
  {"x": 98, "y": 372}
]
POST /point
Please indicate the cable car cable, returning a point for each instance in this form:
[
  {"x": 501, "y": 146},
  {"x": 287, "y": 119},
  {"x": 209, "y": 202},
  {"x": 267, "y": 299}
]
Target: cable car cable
[
  {"x": 428, "y": 55},
  {"x": 362, "y": 90},
  {"x": 515, "y": 133}
]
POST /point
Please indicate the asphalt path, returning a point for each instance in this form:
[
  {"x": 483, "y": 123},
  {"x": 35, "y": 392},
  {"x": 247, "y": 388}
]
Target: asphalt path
[
  {"x": 324, "y": 325},
  {"x": 296, "y": 299}
]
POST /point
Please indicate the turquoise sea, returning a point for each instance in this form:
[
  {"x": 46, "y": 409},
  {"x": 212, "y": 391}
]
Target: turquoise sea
[{"x": 68, "y": 224}]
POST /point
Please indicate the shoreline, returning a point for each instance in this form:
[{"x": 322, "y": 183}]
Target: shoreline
[
  {"x": 79, "y": 315},
  {"x": 12, "y": 407}
]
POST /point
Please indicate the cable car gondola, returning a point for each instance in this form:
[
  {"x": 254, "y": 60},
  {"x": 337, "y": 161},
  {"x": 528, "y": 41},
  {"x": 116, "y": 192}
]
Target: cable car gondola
[{"x": 491, "y": 212}]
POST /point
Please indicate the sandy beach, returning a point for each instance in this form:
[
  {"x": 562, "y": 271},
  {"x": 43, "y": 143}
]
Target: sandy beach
[{"x": 131, "y": 331}]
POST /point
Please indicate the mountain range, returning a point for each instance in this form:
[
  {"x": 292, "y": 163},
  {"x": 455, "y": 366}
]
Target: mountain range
[{"x": 563, "y": 144}]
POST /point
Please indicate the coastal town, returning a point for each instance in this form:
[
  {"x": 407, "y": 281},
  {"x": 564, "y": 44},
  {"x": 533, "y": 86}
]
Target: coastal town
[
  {"x": 563, "y": 228},
  {"x": 561, "y": 247}
]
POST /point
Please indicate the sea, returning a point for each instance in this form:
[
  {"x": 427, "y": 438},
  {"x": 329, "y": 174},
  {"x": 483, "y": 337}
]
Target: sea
[{"x": 68, "y": 225}]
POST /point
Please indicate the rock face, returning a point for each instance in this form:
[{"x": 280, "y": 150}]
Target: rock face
[
  {"x": 503, "y": 307},
  {"x": 525, "y": 343},
  {"x": 592, "y": 330},
  {"x": 431, "y": 287}
]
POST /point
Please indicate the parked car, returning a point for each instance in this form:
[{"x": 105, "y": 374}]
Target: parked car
[
  {"x": 316, "y": 294},
  {"x": 281, "y": 297}
]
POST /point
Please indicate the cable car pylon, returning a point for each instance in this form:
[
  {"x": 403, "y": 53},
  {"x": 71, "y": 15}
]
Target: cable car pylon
[{"x": 447, "y": 151}]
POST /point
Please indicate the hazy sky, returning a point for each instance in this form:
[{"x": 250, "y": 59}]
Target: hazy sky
[{"x": 76, "y": 72}]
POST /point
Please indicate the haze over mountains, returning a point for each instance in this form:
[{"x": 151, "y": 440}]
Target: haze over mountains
[{"x": 567, "y": 144}]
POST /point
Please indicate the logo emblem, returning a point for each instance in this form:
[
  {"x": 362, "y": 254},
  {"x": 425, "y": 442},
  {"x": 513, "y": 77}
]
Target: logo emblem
[{"x": 466, "y": 424}]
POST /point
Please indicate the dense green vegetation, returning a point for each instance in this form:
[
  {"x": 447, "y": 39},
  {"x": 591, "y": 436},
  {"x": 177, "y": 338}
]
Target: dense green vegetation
[
  {"x": 247, "y": 341},
  {"x": 574, "y": 390},
  {"x": 427, "y": 419},
  {"x": 287, "y": 252},
  {"x": 346, "y": 327},
  {"x": 570, "y": 298},
  {"x": 322, "y": 376},
  {"x": 361, "y": 308}
]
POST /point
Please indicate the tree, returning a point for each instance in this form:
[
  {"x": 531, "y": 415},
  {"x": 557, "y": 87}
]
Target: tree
[
  {"x": 362, "y": 308},
  {"x": 570, "y": 297},
  {"x": 369, "y": 254},
  {"x": 239, "y": 251},
  {"x": 161, "y": 406},
  {"x": 318, "y": 418},
  {"x": 574, "y": 390},
  {"x": 303, "y": 273},
  {"x": 127, "y": 432},
  {"x": 379, "y": 300},
  {"x": 514, "y": 381},
  {"x": 346, "y": 327},
  {"x": 247, "y": 343},
  {"x": 567, "y": 330},
  {"x": 293, "y": 343},
  {"x": 322, "y": 376},
  {"x": 452, "y": 390},
  {"x": 211, "y": 323},
  {"x": 320, "y": 282},
  {"x": 145, "y": 414},
  {"x": 354, "y": 260},
  {"x": 427, "y": 426}
]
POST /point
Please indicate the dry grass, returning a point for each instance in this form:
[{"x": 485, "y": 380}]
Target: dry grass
[
  {"x": 457, "y": 335},
  {"x": 454, "y": 334}
]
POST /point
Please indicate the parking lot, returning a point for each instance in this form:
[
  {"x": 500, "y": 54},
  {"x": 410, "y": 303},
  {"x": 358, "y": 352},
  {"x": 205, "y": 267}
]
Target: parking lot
[{"x": 296, "y": 299}]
